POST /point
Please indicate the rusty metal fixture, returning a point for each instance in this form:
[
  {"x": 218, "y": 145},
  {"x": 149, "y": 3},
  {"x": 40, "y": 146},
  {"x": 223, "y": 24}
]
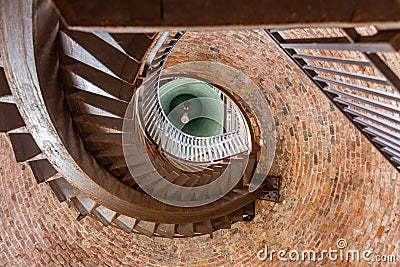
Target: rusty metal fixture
[{"x": 271, "y": 190}]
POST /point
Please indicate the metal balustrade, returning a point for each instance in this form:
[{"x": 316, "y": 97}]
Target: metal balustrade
[
  {"x": 354, "y": 72},
  {"x": 174, "y": 142},
  {"x": 232, "y": 122}
]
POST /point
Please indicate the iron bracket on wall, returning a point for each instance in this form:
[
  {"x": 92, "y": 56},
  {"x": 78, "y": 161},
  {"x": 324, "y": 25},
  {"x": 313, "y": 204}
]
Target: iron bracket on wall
[{"x": 271, "y": 189}]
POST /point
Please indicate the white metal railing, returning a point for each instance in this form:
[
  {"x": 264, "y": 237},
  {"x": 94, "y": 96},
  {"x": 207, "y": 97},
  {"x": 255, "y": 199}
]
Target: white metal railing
[{"x": 173, "y": 141}]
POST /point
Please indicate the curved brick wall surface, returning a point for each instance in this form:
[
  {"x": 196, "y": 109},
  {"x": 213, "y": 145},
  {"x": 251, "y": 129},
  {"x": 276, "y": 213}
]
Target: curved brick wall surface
[{"x": 336, "y": 185}]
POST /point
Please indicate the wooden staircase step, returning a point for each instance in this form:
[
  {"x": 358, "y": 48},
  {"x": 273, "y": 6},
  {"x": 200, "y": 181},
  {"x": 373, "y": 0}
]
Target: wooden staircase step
[
  {"x": 83, "y": 204},
  {"x": 134, "y": 44},
  {"x": 118, "y": 88},
  {"x": 4, "y": 87},
  {"x": 185, "y": 229},
  {"x": 116, "y": 61},
  {"x": 114, "y": 138},
  {"x": 143, "y": 170},
  {"x": 10, "y": 117},
  {"x": 113, "y": 106},
  {"x": 62, "y": 189},
  {"x": 42, "y": 170},
  {"x": 104, "y": 215},
  {"x": 203, "y": 227},
  {"x": 166, "y": 230},
  {"x": 101, "y": 121},
  {"x": 126, "y": 223},
  {"x": 145, "y": 227},
  {"x": 221, "y": 223},
  {"x": 24, "y": 146}
]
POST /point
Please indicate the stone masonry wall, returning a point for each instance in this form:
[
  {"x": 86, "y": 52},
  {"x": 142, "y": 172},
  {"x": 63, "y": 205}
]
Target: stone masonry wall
[{"x": 336, "y": 185}]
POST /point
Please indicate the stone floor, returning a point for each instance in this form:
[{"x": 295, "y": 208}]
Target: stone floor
[{"x": 336, "y": 185}]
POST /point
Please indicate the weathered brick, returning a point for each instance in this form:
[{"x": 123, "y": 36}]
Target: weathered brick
[{"x": 350, "y": 195}]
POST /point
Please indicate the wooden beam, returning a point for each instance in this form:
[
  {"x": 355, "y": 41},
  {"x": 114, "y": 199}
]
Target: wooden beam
[{"x": 156, "y": 15}]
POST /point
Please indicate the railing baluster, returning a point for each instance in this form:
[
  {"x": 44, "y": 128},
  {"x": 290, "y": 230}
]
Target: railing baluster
[
  {"x": 368, "y": 117},
  {"x": 348, "y": 74},
  {"x": 195, "y": 150},
  {"x": 381, "y": 42},
  {"x": 397, "y": 160},
  {"x": 368, "y": 110},
  {"x": 364, "y": 100},
  {"x": 373, "y": 109},
  {"x": 385, "y": 140},
  {"x": 333, "y": 59},
  {"x": 360, "y": 88}
]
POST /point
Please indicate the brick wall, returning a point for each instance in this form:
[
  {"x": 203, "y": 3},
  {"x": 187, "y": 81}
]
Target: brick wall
[{"x": 336, "y": 185}]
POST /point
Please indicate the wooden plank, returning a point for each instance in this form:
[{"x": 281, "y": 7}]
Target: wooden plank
[
  {"x": 4, "y": 87},
  {"x": 334, "y": 59},
  {"x": 42, "y": 170},
  {"x": 110, "y": 105},
  {"x": 104, "y": 215},
  {"x": 84, "y": 204},
  {"x": 203, "y": 227},
  {"x": 367, "y": 78},
  {"x": 110, "y": 84},
  {"x": 383, "y": 123},
  {"x": 185, "y": 229},
  {"x": 145, "y": 227},
  {"x": 62, "y": 189},
  {"x": 24, "y": 146},
  {"x": 360, "y": 88},
  {"x": 10, "y": 117},
  {"x": 361, "y": 47},
  {"x": 101, "y": 121},
  {"x": 154, "y": 15},
  {"x": 369, "y": 101},
  {"x": 126, "y": 223},
  {"x": 368, "y": 110},
  {"x": 116, "y": 61},
  {"x": 135, "y": 45},
  {"x": 221, "y": 223},
  {"x": 166, "y": 230},
  {"x": 114, "y": 138}
]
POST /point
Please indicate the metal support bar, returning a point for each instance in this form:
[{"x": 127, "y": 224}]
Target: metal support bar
[
  {"x": 375, "y": 60},
  {"x": 360, "y": 88},
  {"x": 363, "y": 99},
  {"x": 370, "y": 110},
  {"x": 334, "y": 59},
  {"x": 384, "y": 41},
  {"x": 348, "y": 74}
]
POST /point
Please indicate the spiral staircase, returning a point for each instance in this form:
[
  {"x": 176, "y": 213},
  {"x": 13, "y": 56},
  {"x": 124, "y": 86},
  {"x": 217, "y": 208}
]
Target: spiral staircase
[
  {"x": 86, "y": 117},
  {"x": 83, "y": 109}
]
